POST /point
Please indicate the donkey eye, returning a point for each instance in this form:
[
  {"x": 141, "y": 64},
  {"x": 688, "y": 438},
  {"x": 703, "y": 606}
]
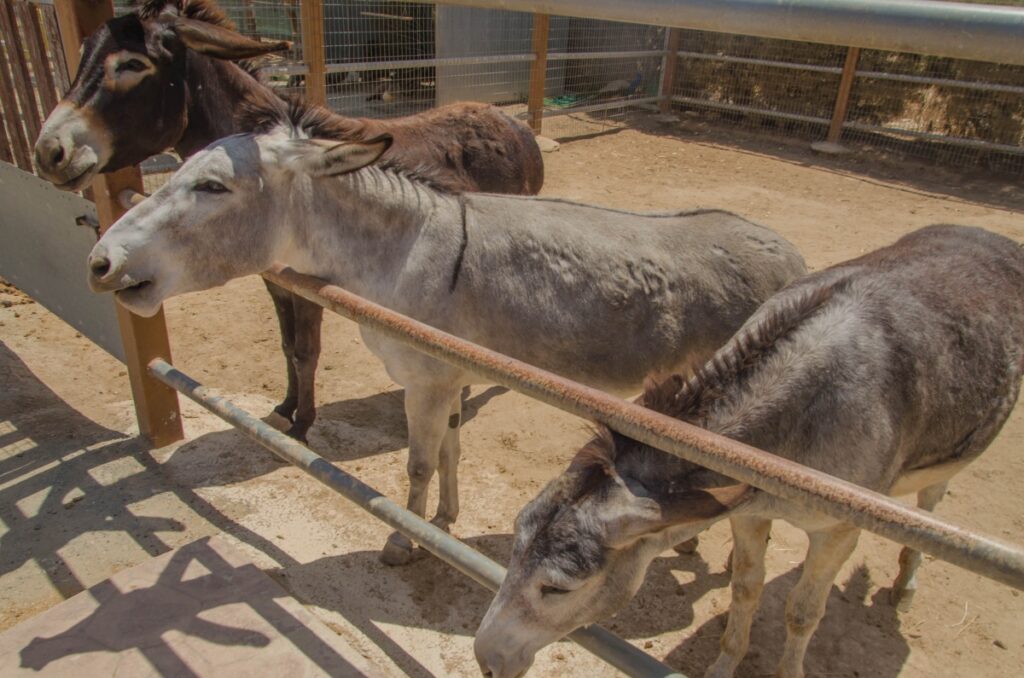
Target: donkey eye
[
  {"x": 210, "y": 186},
  {"x": 552, "y": 591},
  {"x": 133, "y": 65}
]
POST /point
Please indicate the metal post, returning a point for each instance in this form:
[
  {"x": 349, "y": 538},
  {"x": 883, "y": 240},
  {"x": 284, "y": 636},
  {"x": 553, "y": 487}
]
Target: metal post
[
  {"x": 784, "y": 478},
  {"x": 669, "y": 64},
  {"x": 949, "y": 29},
  {"x": 313, "y": 53},
  {"x": 156, "y": 405},
  {"x": 473, "y": 564},
  {"x": 835, "y": 130},
  {"x": 538, "y": 71}
]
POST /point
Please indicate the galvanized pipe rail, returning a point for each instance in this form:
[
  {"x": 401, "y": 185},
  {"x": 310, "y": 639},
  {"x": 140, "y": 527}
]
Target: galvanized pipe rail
[
  {"x": 950, "y": 29},
  {"x": 470, "y": 562},
  {"x": 819, "y": 491}
]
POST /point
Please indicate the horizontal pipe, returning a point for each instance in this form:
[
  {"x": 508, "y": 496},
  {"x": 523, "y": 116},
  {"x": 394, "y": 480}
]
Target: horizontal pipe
[
  {"x": 585, "y": 56},
  {"x": 752, "y": 110},
  {"x": 728, "y": 59},
  {"x": 874, "y": 75},
  {"x": 605, "y": 106},
  {"x": 470, "y": 562},
  {"x": 949, "y": 29},
  {"x": 832, "y": 496},
  {"x": 857, "y": 126}
]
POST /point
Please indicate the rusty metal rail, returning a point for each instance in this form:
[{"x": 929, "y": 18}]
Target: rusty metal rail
[{"x": 829, "y": 495}]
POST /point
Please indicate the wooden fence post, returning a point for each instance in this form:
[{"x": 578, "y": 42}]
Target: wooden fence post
[
  {"x": 313, "y": 53},
  {"x": 668, "y": 71},
  {"x": 835, "y": 130},
  {"x": 538, "y": 71},
  {"x": 156, "y": 405}
]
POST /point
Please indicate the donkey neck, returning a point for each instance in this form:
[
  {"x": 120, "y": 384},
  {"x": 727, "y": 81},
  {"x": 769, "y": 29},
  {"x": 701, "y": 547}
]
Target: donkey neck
[
  {"x": 372, "y": 229},
  {"x": 216, "y": 89}
]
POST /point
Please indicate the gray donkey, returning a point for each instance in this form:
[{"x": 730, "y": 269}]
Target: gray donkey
[
  {"x": 892, "y": 371},
  {"x": 595, "y": 294}
]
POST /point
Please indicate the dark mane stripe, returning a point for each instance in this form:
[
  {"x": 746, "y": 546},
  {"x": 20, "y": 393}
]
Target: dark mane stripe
[
  {"x": 198, "y": 10},
  {"x": 678, "y": 397}
]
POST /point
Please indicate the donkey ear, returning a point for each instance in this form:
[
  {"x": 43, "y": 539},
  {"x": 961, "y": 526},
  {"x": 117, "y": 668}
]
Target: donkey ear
[
  {"x": 343, "y": 158},
  {"x": 222, "y": 43},
  {"x": 648, "y": 515}
]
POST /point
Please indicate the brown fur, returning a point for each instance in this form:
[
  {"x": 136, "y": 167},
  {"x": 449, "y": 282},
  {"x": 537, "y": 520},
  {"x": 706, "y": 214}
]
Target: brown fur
[{"x": 198, "y": 10}]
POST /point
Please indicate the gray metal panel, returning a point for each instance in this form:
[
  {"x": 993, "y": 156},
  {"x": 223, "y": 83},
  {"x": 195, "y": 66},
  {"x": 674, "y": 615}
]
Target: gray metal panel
[
  {"x": 951, "y": 29},
  {"x": 43, "y": 252},
  {"x": 468, "y": 32}
]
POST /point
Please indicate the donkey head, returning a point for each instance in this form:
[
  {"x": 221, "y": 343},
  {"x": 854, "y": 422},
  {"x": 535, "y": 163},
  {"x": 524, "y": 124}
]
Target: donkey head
[
  {"x": 225, "y": 214},
  {"x": 129, "y": 99},
  {"x": 583, "y": 545}
]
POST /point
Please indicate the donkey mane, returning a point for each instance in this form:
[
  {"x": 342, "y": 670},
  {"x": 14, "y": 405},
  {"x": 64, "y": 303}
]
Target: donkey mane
[
  {"x": 680, "y": 397},
  {"x": 261, "y": 114},
  {"x": 198, "y": 10}
]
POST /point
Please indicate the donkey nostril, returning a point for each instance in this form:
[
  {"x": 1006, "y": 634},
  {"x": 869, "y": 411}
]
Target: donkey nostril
[
  {"x": 57, "y": 155},
  {"x": 99, "y": 266}
]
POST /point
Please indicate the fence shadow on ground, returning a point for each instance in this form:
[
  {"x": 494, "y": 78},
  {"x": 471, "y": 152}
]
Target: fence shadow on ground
[
  {"x": 428, "y": 595},
  {"x": 64, "y": 477},
  {"x": 193, "y": 593}
]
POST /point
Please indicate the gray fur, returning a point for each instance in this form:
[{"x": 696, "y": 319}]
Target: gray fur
[
  {"x": 598, "y": 295},
  {"x": 892, "y": 371}
]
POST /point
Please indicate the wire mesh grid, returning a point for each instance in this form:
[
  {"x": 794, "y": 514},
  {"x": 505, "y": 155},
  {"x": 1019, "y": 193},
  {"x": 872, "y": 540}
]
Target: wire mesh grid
[
  {"x": 771, "y": 85},
  {"x": 953, "y": 111},
  {"x": 597, "y": 71},
  {"x": 949, "y": 110}
]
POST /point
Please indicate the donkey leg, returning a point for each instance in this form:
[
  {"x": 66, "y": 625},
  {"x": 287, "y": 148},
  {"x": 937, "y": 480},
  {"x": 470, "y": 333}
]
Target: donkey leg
[
  {"x": 308, "y": 319},
  {"x": 750, "y": 540},
  {"x": 805, "y": 607},
  {"x": 905, "y": 586},
  {"x": 426, "y": 409},
  {"x": 448, "y": 469},
  {"x": 688, "y": 546},
  {"x": 286, "y": 320}
]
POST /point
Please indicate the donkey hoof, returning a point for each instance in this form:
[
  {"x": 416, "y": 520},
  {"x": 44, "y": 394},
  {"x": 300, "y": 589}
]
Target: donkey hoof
[
  {"x": 298, "y": 433},
  {"x": 901, "y": 598},
  {"x": 284, "y": 412},
  {"x": 688, "y": 546},
  {"x": 398, "y": 551}
]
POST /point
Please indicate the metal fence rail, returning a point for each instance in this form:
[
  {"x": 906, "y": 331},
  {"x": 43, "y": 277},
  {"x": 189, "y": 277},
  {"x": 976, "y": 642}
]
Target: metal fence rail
[
  {"x": 819, "y": 491},
  {"x": 470, "y": 562}
]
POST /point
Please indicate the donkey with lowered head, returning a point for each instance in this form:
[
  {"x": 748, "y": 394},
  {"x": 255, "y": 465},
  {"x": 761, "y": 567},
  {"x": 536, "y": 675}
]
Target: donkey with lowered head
[
  {"x": 595, "y": 294},
  {"x": 162, "y": 77},
  {"x": 892, "y": 371}
]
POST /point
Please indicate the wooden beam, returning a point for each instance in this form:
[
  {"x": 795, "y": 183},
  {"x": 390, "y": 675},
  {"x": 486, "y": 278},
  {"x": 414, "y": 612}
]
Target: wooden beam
[
  {"x": 313, "y": 53},
  {"x": 668, "y": 71},
  {"x": 36, "y": 43},
  {"x": 156, "y": 405},
  {"x": 28, "y": 104},
  {"x": 835, "y": 129},
  {"x": 55, "y": 49},
  {"x": 538, "y": 71},
  {"x": 21, "y": 151}
]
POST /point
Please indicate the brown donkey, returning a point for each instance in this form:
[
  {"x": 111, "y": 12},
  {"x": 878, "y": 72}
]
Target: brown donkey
[{"x": 162, "y": 78}]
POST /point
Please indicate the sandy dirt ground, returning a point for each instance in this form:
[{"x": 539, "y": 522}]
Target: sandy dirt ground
[{"x": 81, "y": 497}]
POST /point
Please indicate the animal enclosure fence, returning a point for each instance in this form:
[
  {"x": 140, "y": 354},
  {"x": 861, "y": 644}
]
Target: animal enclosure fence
[
  {"x": 149, "y": 354},
  {"x": 384, "y": 59}
]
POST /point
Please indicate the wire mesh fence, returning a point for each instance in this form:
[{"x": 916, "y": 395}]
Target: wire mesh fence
[{"x": 386, "y": 58}]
